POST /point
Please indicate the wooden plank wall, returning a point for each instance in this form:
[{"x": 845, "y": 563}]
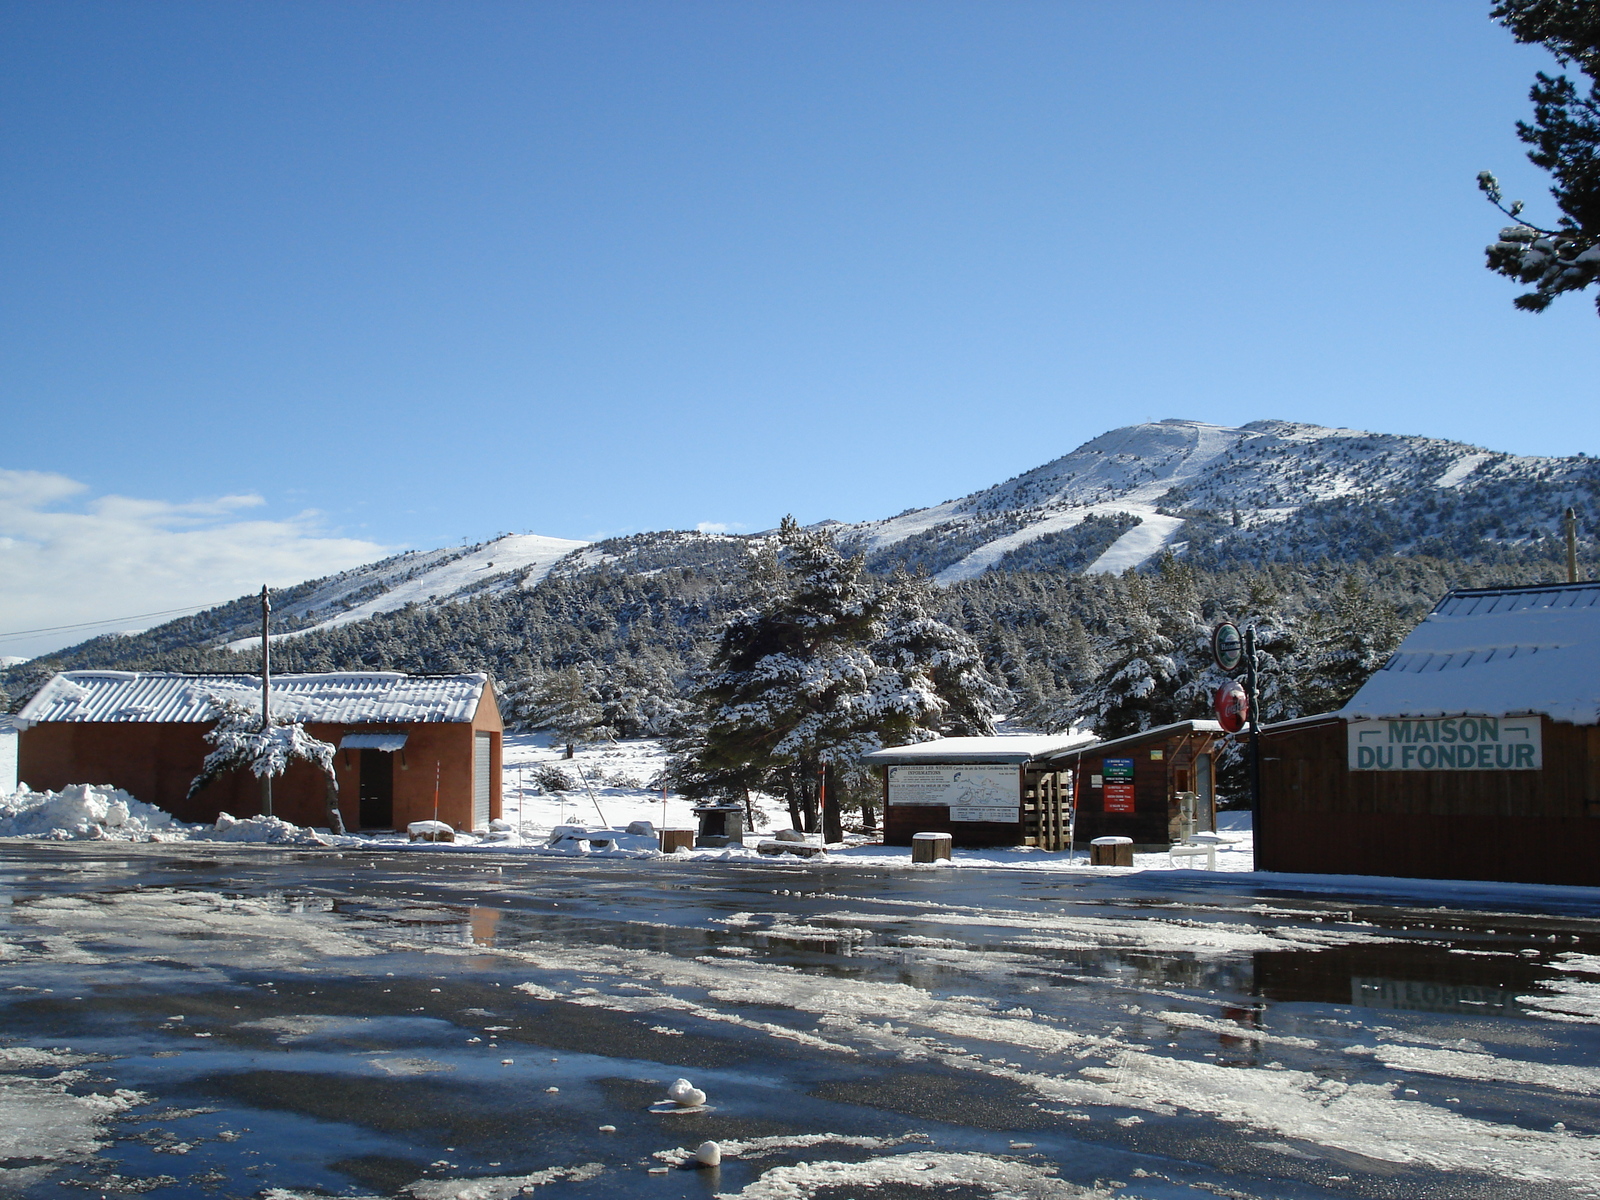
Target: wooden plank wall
[{"x": 1516, "y": 826}]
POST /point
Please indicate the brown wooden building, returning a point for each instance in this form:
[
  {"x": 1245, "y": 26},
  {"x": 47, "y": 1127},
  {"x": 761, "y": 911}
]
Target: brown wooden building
[
  {"x": 983, "y": 791},
  {"x": 1156, "y": 787},
  {"x": 1473, "y": 754},
  {"x": 399, "y": 737}
]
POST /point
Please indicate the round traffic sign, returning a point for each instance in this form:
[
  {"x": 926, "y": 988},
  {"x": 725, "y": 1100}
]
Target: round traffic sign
[
  {"x": 1227, "y": 647},
  {"x": 1232, "y": 705}
]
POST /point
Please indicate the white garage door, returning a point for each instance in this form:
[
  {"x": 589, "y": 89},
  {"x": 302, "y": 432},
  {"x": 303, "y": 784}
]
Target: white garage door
[{"x": 482, "y": 762}]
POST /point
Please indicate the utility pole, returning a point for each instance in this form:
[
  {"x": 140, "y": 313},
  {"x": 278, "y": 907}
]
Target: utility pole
[
  {"x": 266, "y": 695},
  {"x": 1570, "y": 527},
  {"x": 1254, "y": 708}
]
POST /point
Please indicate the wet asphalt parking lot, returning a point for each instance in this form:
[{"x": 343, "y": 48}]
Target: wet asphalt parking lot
[{"x": 182, "y": 1021}]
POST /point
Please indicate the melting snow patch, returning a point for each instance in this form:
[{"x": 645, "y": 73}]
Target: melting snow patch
[
  {"x": 41, "y": 1119},
  {"x": 500, "y": 1187},
  {"x": 1001, "y": 1178}
]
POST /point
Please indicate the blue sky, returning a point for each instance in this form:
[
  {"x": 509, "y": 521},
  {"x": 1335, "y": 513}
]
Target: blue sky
[{"x": 287, "y": 285}]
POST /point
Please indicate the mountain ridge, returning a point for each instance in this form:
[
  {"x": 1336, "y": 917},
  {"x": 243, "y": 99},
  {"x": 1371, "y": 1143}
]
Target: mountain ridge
[{"x": 1223, "y": 495}]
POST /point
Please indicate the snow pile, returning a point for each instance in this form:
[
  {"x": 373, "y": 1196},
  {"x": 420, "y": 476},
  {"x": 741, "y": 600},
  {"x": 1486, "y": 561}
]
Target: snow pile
[
  {"x": 80, "y": 811},
  {"x": 258, "y": 829},
  {"x": 619, "y": 843}
]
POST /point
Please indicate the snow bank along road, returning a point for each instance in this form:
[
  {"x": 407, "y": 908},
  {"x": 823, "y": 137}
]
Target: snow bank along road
[{"x": 188, "y": 1021}]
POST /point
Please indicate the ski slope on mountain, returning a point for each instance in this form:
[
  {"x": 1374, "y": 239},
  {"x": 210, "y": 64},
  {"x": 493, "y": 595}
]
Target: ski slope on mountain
[
  {"x": 1161, "y": 472},
  {"x": 438, "y": 576}
]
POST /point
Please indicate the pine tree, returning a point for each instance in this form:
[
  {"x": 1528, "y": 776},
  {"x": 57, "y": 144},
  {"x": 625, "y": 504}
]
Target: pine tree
[
  {"x": 243, "y": 745},
  {"x": 917, "y": 645},
  {"x": 1347, "y": 644},
  {"x": 1565, "y": 136},
  {"x": 794, "y": 695}
]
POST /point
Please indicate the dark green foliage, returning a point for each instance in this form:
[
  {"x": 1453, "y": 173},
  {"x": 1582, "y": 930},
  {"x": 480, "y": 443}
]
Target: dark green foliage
[
  {"x": 1565, "y": 140},
  {"x": 825, "y": 666}
]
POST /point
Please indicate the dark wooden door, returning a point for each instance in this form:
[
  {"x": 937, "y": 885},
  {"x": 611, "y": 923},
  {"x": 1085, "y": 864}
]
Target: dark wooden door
[{"x": 377, "y": 789}]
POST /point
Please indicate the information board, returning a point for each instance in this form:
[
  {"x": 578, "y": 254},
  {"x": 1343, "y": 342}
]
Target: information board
[
  {"x": 1447, "y": 744},
  {"x": 971, "y": 793},
  {"x": 1118, "y": 786}
]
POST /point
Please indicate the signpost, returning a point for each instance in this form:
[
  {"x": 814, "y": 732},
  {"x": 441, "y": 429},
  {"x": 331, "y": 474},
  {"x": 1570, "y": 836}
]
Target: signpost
[
  {"x": 1238, "y": 706},
  {"x": 1117, "y": 790},
  {"x": 1227, "y": 647}
]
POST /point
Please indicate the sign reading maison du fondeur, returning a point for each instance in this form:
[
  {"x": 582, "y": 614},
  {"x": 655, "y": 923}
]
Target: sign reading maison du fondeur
[{"x": 1447, "y": 744}]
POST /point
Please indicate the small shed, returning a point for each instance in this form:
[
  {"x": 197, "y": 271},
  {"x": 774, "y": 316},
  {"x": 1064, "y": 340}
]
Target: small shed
[
  {"x": 1473, "y": 754},
  {"x": 8, "y": 754},
  {"x": 1156, "y": 787},
  {"x": 401, "y": 739},
  {"x": 983, "y": 791}
]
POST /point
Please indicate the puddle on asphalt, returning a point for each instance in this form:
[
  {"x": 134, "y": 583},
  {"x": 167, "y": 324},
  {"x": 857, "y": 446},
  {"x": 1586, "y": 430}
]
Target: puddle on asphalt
[{"x": 1185, "y": 1047}]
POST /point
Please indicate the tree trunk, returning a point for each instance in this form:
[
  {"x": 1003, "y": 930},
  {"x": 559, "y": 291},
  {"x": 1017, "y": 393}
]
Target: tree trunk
[
  {"x": 869, "y": 817},
  {"x": 335, "y": 817},
  {"x": 749, "y": 812},
  {"x": 832, "y": 823},
  {"x": 804, "y": 777}
]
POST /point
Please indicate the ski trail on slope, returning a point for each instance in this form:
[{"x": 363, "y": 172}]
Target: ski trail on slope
[
  {"x": 1134, "y": 547},
  {"x": 1460, "y": 470}
]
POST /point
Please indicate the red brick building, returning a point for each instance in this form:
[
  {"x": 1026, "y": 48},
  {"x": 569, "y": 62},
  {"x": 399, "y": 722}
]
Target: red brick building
[{"x": 401, "y": 740}]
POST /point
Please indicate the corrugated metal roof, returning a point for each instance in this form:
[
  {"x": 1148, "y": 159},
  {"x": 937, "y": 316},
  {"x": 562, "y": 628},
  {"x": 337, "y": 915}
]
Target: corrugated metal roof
[
  {"x": 344, "y": 697},
  {"x": 1495, "y": 652},
  {"x": 1015, "y": 749}
]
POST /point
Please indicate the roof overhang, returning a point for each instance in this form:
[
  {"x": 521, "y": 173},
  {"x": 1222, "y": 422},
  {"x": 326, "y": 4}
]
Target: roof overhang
[
  {"x": 1158, "y": 734},
  {"x": 373, "y": 741},
  {"x": 999, "y": 750}
]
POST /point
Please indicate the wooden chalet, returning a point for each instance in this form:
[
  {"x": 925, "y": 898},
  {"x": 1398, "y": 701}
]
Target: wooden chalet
[
  {"x": 983, "y": 791},
  {"x": 1156, "y": 787},
  {"x": 401, "y": 740},
  {"x": 1473, "y": 754}
]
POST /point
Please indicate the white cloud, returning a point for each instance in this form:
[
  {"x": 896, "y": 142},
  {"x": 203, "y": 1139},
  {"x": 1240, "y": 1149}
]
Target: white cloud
[
  {"x": 67, "y": 557},
  {"x": 719, "y": 527}
]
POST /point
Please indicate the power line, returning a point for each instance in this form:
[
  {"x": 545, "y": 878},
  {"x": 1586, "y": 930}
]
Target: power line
[{"x": 114, "y": 620}]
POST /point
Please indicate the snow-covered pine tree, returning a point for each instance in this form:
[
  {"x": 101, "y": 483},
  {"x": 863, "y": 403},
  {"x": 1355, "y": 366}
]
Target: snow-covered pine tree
[
  {"x": 243, "y": 745},
  {"x": 915, "y": 642},
  {"x": 793, "y": 693},
  {"x": 1346, "y": 644},
  {"x": 1149, "y": 675}
]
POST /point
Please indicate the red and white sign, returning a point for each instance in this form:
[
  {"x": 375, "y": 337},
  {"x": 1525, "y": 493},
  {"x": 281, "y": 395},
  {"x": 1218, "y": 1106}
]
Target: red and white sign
[{"x": 1232, "y": 705}]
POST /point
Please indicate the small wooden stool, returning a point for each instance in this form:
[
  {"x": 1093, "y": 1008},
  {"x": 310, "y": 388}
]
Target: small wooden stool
[
  {"x": 672, "y": 839},
  {"x": 930, "y": 847},
  {"x": 1111, "y": 852}
]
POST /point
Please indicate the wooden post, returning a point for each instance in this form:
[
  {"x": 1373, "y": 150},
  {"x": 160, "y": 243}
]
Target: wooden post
[{"x": 1570, "y": 528}]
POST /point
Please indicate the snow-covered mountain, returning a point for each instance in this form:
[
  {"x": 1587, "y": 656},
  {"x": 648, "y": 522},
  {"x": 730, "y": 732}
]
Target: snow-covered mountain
[
  {"x": 422, "y": 577},
  {"x": 1266, "y": 491},
  {"x": 1152, "y": 484}
]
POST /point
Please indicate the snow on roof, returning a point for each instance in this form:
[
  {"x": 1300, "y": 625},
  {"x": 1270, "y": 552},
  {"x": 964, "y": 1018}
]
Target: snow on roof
[
  {"x": 1008, "y": 749},
  {"x": 1495, "y": 651},
  {"x": 344, "y": 697},
  {"x": 1158, "y": 733}
]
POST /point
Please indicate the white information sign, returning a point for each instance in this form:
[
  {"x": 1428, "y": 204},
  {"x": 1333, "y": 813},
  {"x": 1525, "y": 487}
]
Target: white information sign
[
  {"x": 972, "y": 793},
  {"x": 1447, "y": 744}
]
